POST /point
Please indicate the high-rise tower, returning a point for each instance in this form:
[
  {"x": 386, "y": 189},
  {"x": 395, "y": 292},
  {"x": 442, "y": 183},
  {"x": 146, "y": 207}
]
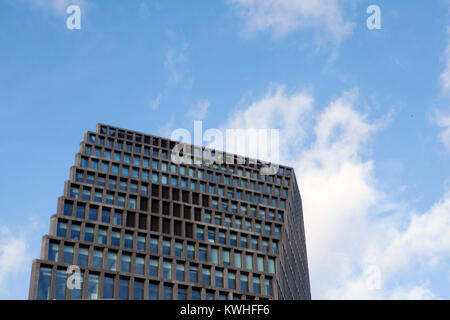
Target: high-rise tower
[{"x": 140, "y": 226}]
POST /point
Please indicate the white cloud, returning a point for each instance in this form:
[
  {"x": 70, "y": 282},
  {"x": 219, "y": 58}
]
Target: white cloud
[
  {"x": 444, "y": 135},
  {"x": 14, "y": 260},
  {"x": 199, "y": 111},
  {"x": 349, "y": 239},
  {"x": 175, "y": 63},
  {"x": 156, "y": 102},
  {"x": 284, "y": 16}
]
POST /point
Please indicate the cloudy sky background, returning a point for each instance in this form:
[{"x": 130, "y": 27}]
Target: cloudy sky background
[{"x": 364, "y": 118}]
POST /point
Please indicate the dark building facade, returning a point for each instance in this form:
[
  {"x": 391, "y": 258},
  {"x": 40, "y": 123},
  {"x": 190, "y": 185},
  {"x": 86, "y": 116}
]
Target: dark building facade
[{"x": 136, "y": 225}]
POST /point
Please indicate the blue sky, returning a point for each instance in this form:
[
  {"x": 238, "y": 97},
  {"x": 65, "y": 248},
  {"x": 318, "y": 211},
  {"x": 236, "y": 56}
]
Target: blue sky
[{"x": 364, "y": 115}]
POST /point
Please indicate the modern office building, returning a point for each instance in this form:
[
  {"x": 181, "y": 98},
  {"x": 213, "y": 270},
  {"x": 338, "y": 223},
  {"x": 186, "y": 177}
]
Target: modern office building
[{"x": 136, "y": 225}]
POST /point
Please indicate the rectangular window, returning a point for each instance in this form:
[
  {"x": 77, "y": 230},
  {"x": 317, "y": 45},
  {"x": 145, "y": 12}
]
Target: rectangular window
[
  {"x": 102, "y": 235},
  {"x": 44, "y": 282},
  {"x": 153, "y": 267},
  {"x": 112, "y": 261},
  {"x": 206, "y": 276},
  {"x": 178, "y": 249},
  {"x": 68, "y": 254},
  {"x": 256, "y": 285},
  {"x": 83, "y": 254},
  {"x": 167, "y": 270},
  {"x": 53, "y": 251},
  {"x": 153, "y": 291},
  {"x": 97, "y": 258},
  {"x": 89, "y": 234},
  {"x": 61, "y": 229},
  {"x": 138, "y": 290},
  {"x": 249, "y": 261},
  {"x": 231, "y": 280},
  {"x": 123, "y": 289},
  {"x": 92, "y": 286},
  {"x": 108, "y": 287},
  {"x": 237, "y": 259},
  {"x": 126, "y": 263},
  {"x": 75, "y": 231},
  {"x": 93, "y": 212},
  {"x": 167, "y": 292},
  {"x": 180, "y": 272},
  {"x": 226, "y": 257},
  {"x": 244, "y": 282},
  {"x": 219, "y": 278},
  {"x": 67, "y": 209},
  {"x": 193, "y": 274},
  {"x": 190, "y": 251},
  {"x": 139, "y": 265},
  {"x": 153, "y": 245}
]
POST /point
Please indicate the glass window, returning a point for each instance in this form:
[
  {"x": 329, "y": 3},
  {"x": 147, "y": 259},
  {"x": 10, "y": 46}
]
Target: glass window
[
  {"x": 53, "y": 251},
  {"x": 80, "y": 211},
  {"x": 153, "y": 267},
  {"x": 166, "y": 247},
  {"x": 190, "y": 251},
  {"x": 222, "y": 237},
  {"x": 139, "y": 266},
  {"x": 78, "y": 287},
  {"x": 86, "y": 194},
  {"x": 268, "y": 286},
  {"x": 74, "y": 192},
  {"x": 102, "y": 235},
  {"x": 92, "y": 286},
  {"x": 244, "y": 282},
  {"x": 200, "y": 233},
  {"x": 97, "y": 258},
  {"x": 260, "y": 264},
  {"x": 271, "y": 263},
  {"x": 83, "y": 254},
  {"x": 180, "y": 272},
  {"x": 167, "y": 292},
  {"x": 195, "y": 294},
  {"x": 108, "y": 287},
  {"x": 182, "y": 293},
  {"x": 178, "y": 249},
  {"x": 61, "y": 229},
  {"x": 219, "y": 278},
  {"x": 44, "y": 282},
  {"x": 89, "y": 234},
  {"x": 75, "y": 231},
  {"x": 117, "y": 218},
  {"x": 202, "y": 252},
  {"x": 153, "y": 245},
  {"x": 93, "y": 211},
  {"x": 167, "y": 270},
  {"x": 256, "y": 285},
  {"x": 226, "y": 257},
  {"x": 128, "y": 240},
  {"x": 141, "y": 242},
  {"x": 138, "y": 290},
  {"x": 67, "y": 209},
  {"x": 231, "y": 280},
  {"x": 115, "y": 238},
  {"x": 237, "y": 259},
  {"x": 153, "y": 291},
  {"x": 206, "y": 276},
  {"x": 112, "y": 261},
  {"x": 123, "y": 289},
  {"x": 193, "y": 271},
  {"x": 126, "y": 263},
  {"x": 249, "y": 261},
  {"x": 68, "y": 254}
]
